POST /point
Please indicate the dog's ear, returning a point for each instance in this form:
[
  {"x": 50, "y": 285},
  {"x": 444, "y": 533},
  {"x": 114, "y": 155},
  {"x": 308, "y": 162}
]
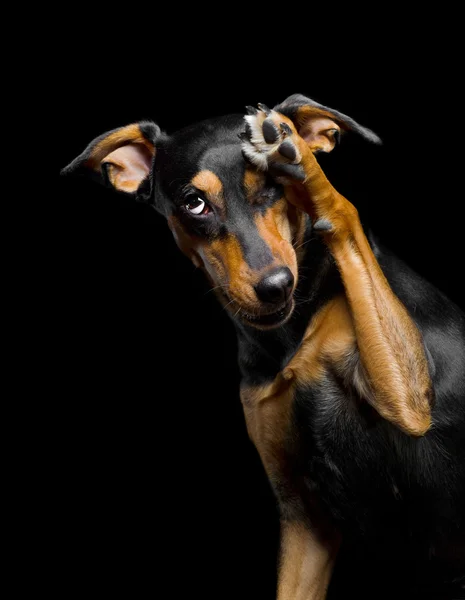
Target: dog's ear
[
  {"x": 122, "y": 158},
  {"x": 319, "y": 125}
]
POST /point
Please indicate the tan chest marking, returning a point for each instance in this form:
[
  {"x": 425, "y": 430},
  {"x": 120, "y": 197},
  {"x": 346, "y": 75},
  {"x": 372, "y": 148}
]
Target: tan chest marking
[{"x": 329, "y": 339}]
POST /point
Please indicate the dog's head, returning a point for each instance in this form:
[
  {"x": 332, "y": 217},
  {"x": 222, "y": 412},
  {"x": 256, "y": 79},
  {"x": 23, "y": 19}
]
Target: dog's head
[{"x": 229, "y": 218}]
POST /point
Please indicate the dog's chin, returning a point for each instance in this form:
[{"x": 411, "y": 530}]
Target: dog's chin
[{"x": 270, "y": 320}]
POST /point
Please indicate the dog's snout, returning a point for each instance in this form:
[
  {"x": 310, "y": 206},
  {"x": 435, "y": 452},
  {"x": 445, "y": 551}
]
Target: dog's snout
[{"x": 276, "y": 286}]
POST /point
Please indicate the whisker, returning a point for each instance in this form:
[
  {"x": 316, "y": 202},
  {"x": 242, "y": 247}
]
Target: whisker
[
  {"x": 300, "y": 302},
  {"x": 303, "y": 243},
  {"x": 217, "y": 287},
  {"x": 226, "y": 305}
]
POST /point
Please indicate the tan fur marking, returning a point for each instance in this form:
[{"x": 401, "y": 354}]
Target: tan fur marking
[
  {"x": 329, "y": 339},
  {"x": 298, "y": 224},
  {"x": 308, "y": 553},
  {"x": 254, "y": 181},
  {"x": 275, "y": 228},
  {"x": 210, "y": 184},
  {"x": 187, "y": 243},
  {"x": 225, "y": 262},
  {"x": 127, "y": 135},
  {"x": 290, "y": 223},
  {"x": 306, "y": 562},
  {"x": 267, "y": 412}
]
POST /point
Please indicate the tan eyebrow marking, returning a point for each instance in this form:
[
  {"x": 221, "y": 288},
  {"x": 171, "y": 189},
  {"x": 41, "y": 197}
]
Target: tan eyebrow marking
[{"x": 209, "y": 183}]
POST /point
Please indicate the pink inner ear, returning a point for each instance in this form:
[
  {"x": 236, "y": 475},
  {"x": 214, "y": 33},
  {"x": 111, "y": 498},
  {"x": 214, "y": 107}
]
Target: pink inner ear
[
  {"x": 316, "y": 133},
  {"x": 128, "y": 166}
]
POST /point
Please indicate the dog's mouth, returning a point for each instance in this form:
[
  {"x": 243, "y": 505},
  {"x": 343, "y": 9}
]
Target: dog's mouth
[{"x": 270, "y": 320}]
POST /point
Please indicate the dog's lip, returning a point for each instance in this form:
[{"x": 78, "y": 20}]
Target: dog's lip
[
  {"x": 270, "y": 319},
  {"x": 265, "y": 320}
]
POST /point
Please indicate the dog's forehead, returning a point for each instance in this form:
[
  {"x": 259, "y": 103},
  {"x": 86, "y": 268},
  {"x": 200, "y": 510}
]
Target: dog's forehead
[
  {"x": 225, "y": 160},
  {"x": 210, "y": 152},
  {"x": 227, "y": 167},
  {"x": 214, "y": 146}
]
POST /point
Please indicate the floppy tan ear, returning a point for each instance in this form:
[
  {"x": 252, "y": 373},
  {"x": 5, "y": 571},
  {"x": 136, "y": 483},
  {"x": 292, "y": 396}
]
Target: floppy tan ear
[
  {"x": 319, "y": 125},
  {"x": 122, "y": 158}
]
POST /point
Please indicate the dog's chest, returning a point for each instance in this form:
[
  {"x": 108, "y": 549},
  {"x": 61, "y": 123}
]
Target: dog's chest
[{"x": 269, "y": 409}]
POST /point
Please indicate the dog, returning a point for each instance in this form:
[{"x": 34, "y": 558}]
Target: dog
[{"x": 354, "y": 400}]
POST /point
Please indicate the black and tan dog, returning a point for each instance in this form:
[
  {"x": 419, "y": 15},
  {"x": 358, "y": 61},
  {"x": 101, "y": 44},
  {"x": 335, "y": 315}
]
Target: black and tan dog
[{"x": 355, "y": 400}]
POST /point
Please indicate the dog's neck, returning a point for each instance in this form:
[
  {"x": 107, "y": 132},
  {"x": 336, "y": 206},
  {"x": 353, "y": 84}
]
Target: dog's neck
[{"x": 262, "y": 354}]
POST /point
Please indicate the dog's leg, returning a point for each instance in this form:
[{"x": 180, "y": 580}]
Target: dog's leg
[
  {"x": 309, "y": 540},
  {"x": 394, "y": 375},
  {"x": 306, "y": 562}
]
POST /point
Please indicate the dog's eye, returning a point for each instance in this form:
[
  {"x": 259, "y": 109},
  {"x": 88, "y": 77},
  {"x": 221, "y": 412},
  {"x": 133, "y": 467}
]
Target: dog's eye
[{"x": 197, "y": 206}]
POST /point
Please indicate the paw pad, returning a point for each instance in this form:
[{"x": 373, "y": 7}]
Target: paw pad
[
  {"x": 270, "y": 131},
  {"x": 288, "y": 150},
  {"x": 270, "y": 143}
]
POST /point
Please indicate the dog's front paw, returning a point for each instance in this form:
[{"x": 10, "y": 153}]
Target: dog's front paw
[{"x": 271, "y": 142}]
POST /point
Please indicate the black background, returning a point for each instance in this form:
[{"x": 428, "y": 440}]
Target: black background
[{"x": 159, "y": 486}]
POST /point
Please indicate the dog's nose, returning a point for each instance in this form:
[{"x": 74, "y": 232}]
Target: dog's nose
[{"x": 276, "y": 287}]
